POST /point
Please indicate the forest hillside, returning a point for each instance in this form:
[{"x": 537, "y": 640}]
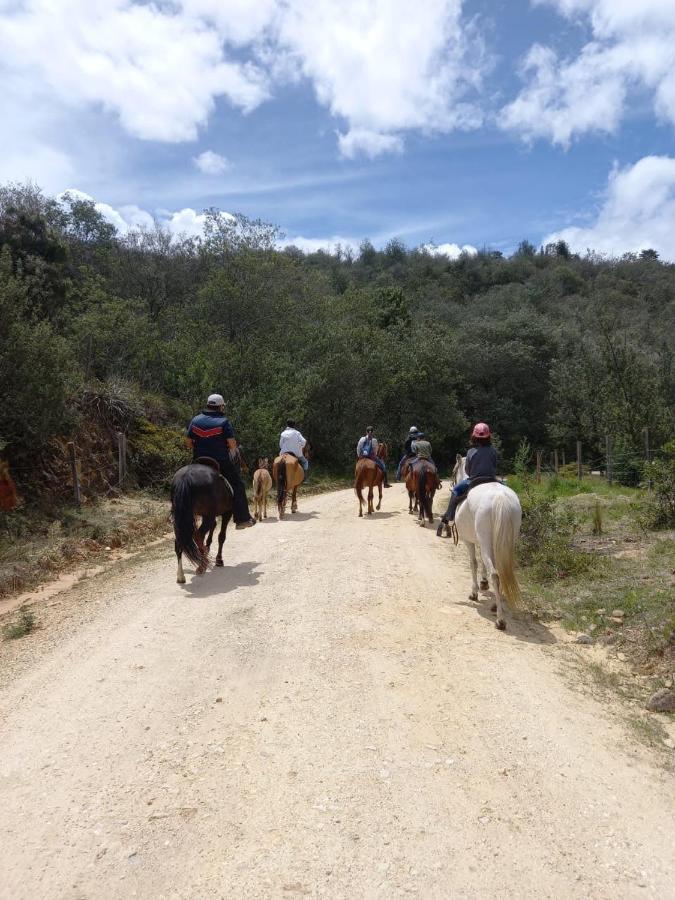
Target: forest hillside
[{"x": 101, "y": 332}]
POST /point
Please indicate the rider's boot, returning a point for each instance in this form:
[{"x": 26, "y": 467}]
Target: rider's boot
[{"x": 449, "y": 517}]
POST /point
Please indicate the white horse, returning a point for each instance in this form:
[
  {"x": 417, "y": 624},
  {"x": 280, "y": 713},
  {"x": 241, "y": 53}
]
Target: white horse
[{"x": 490, "y": 516}]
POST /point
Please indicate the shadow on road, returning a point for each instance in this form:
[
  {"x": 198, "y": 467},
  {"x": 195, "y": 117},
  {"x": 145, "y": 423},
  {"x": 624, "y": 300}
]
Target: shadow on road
[
  {"x": 299, "y": 516},
  {"x": 382, "y": 514},
  {"x": 519, "y": 625},
  {"x": 222, "y": 581}
]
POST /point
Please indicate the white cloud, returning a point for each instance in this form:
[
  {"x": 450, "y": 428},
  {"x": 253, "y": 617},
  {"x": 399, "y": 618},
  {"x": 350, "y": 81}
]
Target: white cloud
[
  {"x": 385, "y": 66},
  {"x": 157, "y": 70},
  {"x": 633, "y": 48},
  {"x": 128, "y": 218},
  {"x": 382, "y": 67},
  {"x": 638, "y": 212},
  {"x": 370, "y": 143},
  {"x": 452, "y": 251},
  {"x": 211, "y": 163},
  {"x": 328, "y": 245}
]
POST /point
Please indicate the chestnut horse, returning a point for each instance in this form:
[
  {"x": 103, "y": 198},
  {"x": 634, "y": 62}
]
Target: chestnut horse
[
  {"x": 368, "y": 474},
  {"x": 262, "y": 485},
  {"x": 422, "y": 483},
  {"x": 288, "y": 475},
  {"x": 199, "y": 490}
]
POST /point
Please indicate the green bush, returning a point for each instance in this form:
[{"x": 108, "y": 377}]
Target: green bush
[
  {"x": 546, "y": 539},
  {"x": 156, "y": 452},
  {"x": 660, "y": 508}
]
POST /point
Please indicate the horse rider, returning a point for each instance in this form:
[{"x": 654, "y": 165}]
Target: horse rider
[
  {"x": 212, "y": 435},
  {"x": 367, "y": 449},
  {"x": 408, "y": 452},
  {"x": 421, "y": 448},
  {"x": 291, "y": 441},
  {"x": 480, "y": 467}
]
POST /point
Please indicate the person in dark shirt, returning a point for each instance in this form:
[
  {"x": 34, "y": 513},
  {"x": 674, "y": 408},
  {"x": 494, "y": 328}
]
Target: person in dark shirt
[
  {"x": 408, "y": 452},
  {"x": 212, "y": 435},
  {"x": 480, "y": 467}
]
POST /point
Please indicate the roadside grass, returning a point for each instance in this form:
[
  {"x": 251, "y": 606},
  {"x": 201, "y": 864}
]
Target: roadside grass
[
  {"x": 578, "y": 576},
  {"x": 37, "y": 545},
  {"x": 21, "y": 626}
]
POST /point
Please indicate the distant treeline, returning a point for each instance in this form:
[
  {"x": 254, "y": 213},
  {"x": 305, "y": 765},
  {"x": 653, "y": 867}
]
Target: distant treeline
[{"x": 543, "y": 345}]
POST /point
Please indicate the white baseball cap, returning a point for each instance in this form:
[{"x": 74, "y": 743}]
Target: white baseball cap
[
  {"x": 215, "y": 400},
  {"x": 414, "y": 429}
]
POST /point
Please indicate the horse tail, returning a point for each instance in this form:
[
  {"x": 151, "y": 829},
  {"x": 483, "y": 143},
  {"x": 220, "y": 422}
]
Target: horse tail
[
  {"x": 258, "y": 485},
  {"x": 504, "y": 537},
  {"x": 281, "y": 481},
  {"x": 182, "y": 513}
]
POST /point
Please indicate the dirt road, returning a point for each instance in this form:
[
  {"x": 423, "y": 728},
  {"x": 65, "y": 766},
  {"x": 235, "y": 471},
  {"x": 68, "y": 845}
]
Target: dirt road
[{"x": 327, "y": 716}]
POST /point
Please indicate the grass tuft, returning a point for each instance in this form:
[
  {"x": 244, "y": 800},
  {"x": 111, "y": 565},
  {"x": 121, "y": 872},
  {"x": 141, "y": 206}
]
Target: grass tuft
[{"x": 22, "y": 626}]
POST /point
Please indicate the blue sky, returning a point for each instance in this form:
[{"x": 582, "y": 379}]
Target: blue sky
[{"x": 472, "y": 123}]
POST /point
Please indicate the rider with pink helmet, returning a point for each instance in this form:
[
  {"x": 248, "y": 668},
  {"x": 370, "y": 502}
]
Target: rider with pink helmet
[{"x": 480, "y": 467}]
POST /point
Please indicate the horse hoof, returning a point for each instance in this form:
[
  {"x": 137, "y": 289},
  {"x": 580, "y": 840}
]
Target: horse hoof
[
  {"x": 500, "y": 625},
  {"x": 493, "y": 608},
  {"x": 473, "y": 597},
  {"x": 180, "y": 580},
  {"x": 219, "y": 563},
  {"x": 484, "y": 585}
]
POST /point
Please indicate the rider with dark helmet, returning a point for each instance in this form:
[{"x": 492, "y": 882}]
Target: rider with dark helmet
[
  {"x": 480, "y": 467},
  {"x": 408, "y": 452},
  {"x": 212, "y": 436}
]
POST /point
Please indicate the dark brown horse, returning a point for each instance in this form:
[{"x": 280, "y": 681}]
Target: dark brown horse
[
  {"x": 199, "y": 490},
  {"x": 422, "y": 483}
]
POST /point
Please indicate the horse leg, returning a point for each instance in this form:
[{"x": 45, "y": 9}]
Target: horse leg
[
  {"x": 360, "y": 496},
  {"x": 484, "y": 583},
  {"x": 474, "y": 571},
  {"x": 379, "y": 495},
  {"x": 225, "y": 518},
  {"x": 410, "y": 503},
  {"x": 208, "y": 525},
  {"x": 180, "y": 575},
  {"x": 264, "y": 504},
  {"x": 370, "y": 499},
  {"x": 294, "y": 500},
  {"x": 501, "y": 622}
]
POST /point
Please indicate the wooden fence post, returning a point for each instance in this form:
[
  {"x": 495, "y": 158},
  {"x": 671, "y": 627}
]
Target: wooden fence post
[
  {"x": 538, "y": 452},
  {"x": 580, "y": 467},
  {"x": 121, "y": 457},
  {"x": 73, "y": 470},
  {"x": 649, "y": 481},
  {"x": 555, "y": 461},
  {"x": 608, "y": 453}
]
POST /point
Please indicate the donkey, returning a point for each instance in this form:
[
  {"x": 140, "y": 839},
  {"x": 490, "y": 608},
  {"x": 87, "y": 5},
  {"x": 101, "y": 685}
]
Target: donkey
[{"x": 262, "y": 485}]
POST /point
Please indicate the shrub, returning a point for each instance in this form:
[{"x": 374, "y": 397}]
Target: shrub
[
  {"x": 660, "y": 508},
  {"x": 156, "y": 452},
  {"x": 546, "y": 540}
]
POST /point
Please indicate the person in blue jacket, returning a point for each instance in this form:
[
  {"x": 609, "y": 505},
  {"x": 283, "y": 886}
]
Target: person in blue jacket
[{"x": 212, "y": 435}]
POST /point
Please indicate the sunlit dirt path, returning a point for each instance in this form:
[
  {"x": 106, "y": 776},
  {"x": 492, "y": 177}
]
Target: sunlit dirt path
[{"x": 328, "y": 716}]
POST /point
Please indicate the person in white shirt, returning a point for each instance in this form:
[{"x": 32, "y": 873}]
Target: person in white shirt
[{"x": 291, "y": 441}]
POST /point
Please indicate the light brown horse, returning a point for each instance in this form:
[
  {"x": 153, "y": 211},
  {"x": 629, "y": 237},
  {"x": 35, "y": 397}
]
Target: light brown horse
[
  {"x": 262, "y": 485},
  {"x": 422, "y": 483},
  {"x": 288, "y": 475},
  {"x": 368, "y": 474}
]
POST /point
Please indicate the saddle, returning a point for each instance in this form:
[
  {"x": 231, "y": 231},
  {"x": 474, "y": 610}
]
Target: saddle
[{"x": 208, "y": 461}]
